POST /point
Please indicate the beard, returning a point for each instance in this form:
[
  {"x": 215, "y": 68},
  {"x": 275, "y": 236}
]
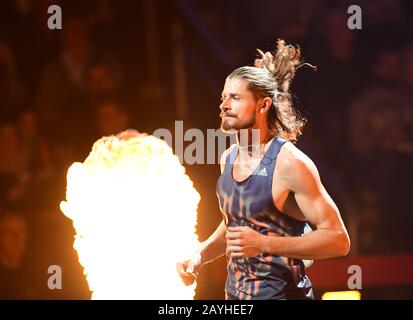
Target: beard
[{"x": 233, "y": 125}]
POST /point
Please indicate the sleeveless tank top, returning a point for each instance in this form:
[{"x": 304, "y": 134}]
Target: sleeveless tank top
[{"x": 250, "y": 203}]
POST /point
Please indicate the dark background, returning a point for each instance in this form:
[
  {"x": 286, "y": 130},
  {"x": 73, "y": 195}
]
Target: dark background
[{"x": 144, "y": 64}]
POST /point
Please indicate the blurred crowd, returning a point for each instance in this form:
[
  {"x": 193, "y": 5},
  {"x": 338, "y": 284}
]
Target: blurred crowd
[{"x": 61, "y": 90}]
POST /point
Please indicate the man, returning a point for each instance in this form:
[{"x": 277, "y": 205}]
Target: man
[{"x": 266, "y": 200}]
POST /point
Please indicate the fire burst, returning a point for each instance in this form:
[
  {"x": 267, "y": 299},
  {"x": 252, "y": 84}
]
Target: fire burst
[{"x": 134, "y": 212}]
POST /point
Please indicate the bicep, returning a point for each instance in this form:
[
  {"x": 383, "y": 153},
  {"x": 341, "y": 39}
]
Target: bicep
[
  {"x": 311, "y": 196},
  {"x": 319, "y": 209}
]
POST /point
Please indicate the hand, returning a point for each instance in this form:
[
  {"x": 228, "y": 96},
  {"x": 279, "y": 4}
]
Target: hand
[
  {"x": 188, "y": 269},
  {"x": 243, "y": 242}
]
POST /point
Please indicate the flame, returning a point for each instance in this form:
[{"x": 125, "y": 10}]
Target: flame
[{"x": 134, "y": 212}]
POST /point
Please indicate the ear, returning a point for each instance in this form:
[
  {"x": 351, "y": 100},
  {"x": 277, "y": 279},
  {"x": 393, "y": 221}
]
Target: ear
[{"x": 266, "y": 104}]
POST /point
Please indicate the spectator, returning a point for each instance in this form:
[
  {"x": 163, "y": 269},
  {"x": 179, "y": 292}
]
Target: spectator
[
  {"x": 12, "y": 160},
  {"x": 16, "y": 279},
  {"x": 376, "y": 122},
  {"x": 375, "y": 113},
  {"x": 63, "y": 93},
  {"x": 103, "y": 81},
  {"x": 35, "y": 149},
  {"x": 11, "y": 88},
  {"x": 111, "y": 118}
]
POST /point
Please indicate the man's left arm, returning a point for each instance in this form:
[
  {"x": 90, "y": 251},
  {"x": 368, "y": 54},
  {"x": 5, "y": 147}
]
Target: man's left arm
[{"x": 330, "y": 239}]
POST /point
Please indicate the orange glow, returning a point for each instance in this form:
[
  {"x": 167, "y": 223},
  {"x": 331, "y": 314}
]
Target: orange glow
[
  {"x": 342, "y": 295},
  {"x": 134, "y": 212}
]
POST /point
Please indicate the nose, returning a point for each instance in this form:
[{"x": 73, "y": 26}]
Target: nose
[{"x": 224, "y": 106}]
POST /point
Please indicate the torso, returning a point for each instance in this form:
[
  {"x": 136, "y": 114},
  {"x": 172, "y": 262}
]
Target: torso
[
  {"x": 283, "y": 198},
  {"x": 252, "y": 194}
]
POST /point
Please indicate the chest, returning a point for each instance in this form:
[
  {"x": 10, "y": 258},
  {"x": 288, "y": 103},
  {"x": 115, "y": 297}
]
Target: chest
[
  {"x": 280, "y": 196},
  {"x": 242, "y": 169}
]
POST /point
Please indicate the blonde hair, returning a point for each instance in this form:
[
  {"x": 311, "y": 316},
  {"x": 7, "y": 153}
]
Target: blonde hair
[{"x": 271, "y": 77}]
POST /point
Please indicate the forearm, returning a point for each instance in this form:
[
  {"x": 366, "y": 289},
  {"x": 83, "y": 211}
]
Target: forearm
[
  {"x": 215, "y": 245},
  {"x": 320, "y": 244}
]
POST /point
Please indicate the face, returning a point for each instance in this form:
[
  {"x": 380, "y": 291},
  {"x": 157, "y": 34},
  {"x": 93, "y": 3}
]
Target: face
[
  {"x": 111, "y": 120},
  {"x": 238, "y": 106},
  {"x": 387, "y": 69},
  {"x": 100, "y": 80},
  {"x": 8, "y": 138},
  {"x": 75, "y": 36},
  {"x": 27, "y": 125}
]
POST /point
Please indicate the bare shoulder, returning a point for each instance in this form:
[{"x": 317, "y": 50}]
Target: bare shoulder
[
  {"x": 225, "y": 155},
  {"x": 294, "y": 164}
]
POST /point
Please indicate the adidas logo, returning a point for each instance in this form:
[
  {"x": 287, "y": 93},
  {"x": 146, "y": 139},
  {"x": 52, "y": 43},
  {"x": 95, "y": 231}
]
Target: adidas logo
[{"x": 262, "y": 172}]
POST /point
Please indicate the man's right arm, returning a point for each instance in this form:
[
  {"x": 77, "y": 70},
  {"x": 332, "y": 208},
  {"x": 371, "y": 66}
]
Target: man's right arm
[
  {"x": 212, "y": 248},
  {"x": 215, "y": 246}
]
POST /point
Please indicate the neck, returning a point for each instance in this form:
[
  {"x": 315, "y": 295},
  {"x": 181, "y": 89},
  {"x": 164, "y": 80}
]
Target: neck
[{"x": 253, "y": 140}]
